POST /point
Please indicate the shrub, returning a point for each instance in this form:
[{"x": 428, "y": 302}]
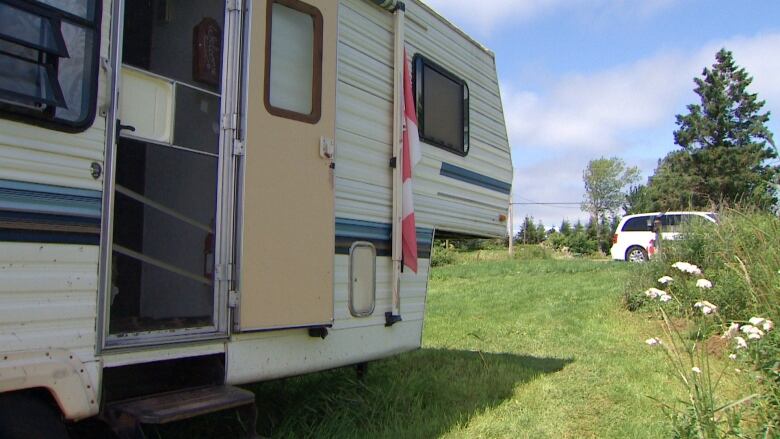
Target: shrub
[{"x": 441, "y": 254}]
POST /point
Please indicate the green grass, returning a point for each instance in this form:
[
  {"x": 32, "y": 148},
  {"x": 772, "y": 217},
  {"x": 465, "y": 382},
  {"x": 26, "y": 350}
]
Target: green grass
[{"x": 511, "y": 348}]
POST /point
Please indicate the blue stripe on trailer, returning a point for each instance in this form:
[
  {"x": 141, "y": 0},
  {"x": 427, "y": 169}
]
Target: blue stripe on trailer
[
  {"x": 32, "y": 212},
  {"x": 471, "y": 177},
  {"x": 379, "y": 234},
  {"x": 46, "y": 199}
]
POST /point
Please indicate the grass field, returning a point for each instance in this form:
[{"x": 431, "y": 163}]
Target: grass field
[{"x": 511, "y": 348}]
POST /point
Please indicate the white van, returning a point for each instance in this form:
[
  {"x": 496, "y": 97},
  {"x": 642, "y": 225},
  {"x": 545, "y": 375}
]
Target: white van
[{"x": 635, "y": 232}]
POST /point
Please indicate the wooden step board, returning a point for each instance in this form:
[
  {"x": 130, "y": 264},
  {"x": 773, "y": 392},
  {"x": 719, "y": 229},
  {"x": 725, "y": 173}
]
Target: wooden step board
[{"x": 126, "y": 416}]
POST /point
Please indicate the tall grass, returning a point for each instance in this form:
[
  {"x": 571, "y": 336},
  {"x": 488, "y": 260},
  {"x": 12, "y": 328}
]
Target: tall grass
[{"x": 741, "y": 259}]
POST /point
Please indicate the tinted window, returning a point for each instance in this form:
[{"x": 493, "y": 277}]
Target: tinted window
[
  {"x": 638, "y": 224},
  {"x": 672, "y": 223},
  {"x": 49, "y": 58},
  {"x": 442, "y": 106}
]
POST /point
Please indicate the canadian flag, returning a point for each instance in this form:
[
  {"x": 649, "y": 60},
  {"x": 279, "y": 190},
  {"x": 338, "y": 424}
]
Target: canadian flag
[{"x": 410, "y": 157}]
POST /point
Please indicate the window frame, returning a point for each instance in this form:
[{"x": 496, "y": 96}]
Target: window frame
[
  {"x": 316, "y": 87},
  {"x": 46, "y": 119},
  {"x": 420, "y": 61}
]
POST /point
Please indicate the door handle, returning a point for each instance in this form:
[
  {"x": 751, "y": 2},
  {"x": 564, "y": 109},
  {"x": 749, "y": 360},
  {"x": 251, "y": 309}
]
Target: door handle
[
  {"x": 327, "y": 148},
  {"x": 120, "y": 127}
]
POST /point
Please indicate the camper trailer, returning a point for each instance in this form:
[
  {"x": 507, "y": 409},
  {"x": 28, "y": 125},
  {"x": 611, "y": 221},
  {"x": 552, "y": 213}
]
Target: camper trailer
[{"x": 197, "y": 194}]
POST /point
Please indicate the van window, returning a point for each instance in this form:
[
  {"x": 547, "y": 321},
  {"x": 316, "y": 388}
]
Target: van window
[
  {"x": 293, "y": 66},
  {"x": 673, "y": 223},
  {"x": 49, "y": 59},
  {"x": 638, "y": 224},
  {"x": 442, "y": 106}
]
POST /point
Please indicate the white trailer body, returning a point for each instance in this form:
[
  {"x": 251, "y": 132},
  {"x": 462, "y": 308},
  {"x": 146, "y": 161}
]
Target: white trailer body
[{"x": 214, "y": 185}]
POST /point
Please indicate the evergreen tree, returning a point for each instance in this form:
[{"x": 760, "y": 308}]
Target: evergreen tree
[
  {"x": 578, "y": 227},
  {"x": 638, "y": 200},
  {"x": 592, "y": 229},
  {"x": 725, "y": 144},
  {"x": 528, "y": 231},
  {"x": 541, "y": 232},
  {"x": 565, "y": 228}
]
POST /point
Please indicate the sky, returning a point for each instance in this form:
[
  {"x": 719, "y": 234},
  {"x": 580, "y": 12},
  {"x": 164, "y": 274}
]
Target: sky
[{"x": 584, "y": 79}]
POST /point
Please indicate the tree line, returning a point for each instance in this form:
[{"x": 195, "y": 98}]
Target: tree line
[{"x": 580, "y": 238}]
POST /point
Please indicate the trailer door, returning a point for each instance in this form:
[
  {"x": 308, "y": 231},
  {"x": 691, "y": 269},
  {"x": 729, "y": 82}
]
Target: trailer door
[
  {"x": 169, "y": 192},
  {"x": 288, "y": 223}
]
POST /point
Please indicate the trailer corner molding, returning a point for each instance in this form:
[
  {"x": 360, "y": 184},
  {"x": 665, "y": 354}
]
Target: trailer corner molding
[{"x": 59, "y": 372}]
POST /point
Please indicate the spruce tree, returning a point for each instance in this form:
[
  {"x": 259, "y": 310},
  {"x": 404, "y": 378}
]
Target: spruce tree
[
  {"x": 726, "y": 145},
  {"x": 565, "y": 228}
]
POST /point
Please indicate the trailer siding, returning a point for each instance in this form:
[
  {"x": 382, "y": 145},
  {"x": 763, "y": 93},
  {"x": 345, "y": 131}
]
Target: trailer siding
[{"x": 364, "y": 125}]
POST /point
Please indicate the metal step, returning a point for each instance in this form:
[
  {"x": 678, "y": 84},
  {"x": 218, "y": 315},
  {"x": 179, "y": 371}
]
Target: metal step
[{"x": 126, "y": 416}]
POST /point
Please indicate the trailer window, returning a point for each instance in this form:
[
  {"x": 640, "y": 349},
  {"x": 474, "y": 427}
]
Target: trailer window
[
  {"x": 293, "y": 65},
  {"x": 49, "y": 60},
  {"x": 442, "y": 106}
]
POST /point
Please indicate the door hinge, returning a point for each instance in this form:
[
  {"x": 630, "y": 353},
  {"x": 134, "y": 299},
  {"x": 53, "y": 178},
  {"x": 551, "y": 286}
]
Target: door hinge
[
  {"x": 224, "y": 272},
  {"x": 238, "y": 147},
  {"x": 233, "y": 298},
  {"x": 230, "y": 121},
  {"x": 234, "y": 5}
]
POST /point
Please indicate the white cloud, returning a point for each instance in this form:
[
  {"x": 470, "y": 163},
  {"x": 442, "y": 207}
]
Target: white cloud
[
  {"x": 580, "y": 117},
  {"x": 485, "y": 15},
  {"x": 551, "y": 180},
  {"x": 488, "y": 15},
  {"x": 597, "y": 112},
  {"x": 591, "y": 112}
]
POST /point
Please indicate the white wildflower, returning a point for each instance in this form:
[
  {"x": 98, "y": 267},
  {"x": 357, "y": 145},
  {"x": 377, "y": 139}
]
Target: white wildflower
[
  {"x": 655, "y": 341},
  {"x": 665, "y": 280},
  {"x": 706, "y": 307},
  {"x": 751, "y": 330},
  {"x": 754, "y": 336},
  {"x": 741, "y": 343},
  {"x": 733, "y": 356},
  {"x": 737, "y": 370},
  {"x": 654, "y": 292},
  {"x": 732, "y": 331},
  {"x": 686, "y": 267},
  {"x": 696, "y": 369},
  {"x": 704, "y": 284},
  {"x": 762, "y": 322},
  {"x": 664, "y": 297}
]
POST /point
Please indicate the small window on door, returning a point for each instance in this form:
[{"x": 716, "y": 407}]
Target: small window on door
[
  {"x": 49, "y": 60},
  {"x": 442, "y": 106},
  {"x": 293, "y": 65}
]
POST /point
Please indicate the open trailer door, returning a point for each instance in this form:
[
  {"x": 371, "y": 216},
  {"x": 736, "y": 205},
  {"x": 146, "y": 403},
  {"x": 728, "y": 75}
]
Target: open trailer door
[{"x": 288, "y": 222}]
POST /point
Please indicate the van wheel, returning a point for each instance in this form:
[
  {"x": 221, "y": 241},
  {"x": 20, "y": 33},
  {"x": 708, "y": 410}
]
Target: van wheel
[
  {"x": 25, "y": 416},
  {"x": 636, "y": 254}
]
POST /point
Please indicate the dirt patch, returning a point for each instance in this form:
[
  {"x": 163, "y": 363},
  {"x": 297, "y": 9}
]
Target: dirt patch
[{"x": 716, "y": 346}]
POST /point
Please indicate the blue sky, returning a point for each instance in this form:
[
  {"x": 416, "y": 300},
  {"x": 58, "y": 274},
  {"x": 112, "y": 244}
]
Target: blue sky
[{"x": 582, "y": 79}]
